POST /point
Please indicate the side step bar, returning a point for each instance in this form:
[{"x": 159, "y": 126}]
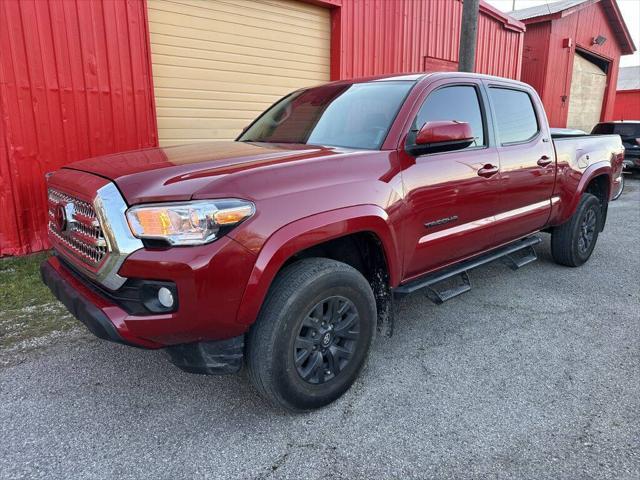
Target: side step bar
[{"x": 516, "y": 255}]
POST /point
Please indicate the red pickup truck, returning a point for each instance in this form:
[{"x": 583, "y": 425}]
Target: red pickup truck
[{"x": 283, "y": 250}]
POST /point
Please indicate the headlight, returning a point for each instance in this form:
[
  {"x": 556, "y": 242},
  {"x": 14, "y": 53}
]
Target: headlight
[{"x": 189, "y": 223}]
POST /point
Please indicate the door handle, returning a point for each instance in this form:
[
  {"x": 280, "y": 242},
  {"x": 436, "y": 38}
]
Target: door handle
[
  {"x": 544, "y": 160},
  {"x": 488, "y": 170}
]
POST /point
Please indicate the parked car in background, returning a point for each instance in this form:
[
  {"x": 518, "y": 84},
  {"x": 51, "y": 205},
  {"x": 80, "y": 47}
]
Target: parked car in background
[
  {"x": 629, "y": 131},
  {"x": 284, "y": 249}
]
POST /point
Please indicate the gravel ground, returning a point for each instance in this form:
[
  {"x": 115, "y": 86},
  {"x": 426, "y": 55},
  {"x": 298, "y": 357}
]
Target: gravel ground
[{"x": 532, "y": 374}]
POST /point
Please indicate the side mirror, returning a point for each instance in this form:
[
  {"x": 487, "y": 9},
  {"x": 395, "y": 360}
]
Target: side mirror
[{"x": 442, "y": 136}]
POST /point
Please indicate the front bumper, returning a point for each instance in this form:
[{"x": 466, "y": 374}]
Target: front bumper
[
  {"x": 213, "y": 357},
  {"x": 80, "y": 307},
  {"x": 209, "y": 282}
]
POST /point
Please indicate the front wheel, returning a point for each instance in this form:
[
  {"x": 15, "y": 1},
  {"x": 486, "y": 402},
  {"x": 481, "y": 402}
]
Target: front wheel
[
  {"x": 573, "y": 242},
  {"x": 313, "y": 334}
]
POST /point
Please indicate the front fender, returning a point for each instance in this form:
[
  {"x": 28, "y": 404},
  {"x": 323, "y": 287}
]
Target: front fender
[{"x": 310, "y": 231}]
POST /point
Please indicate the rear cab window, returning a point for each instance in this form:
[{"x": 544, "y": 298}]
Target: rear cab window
[{"x": 516, "y": 119}]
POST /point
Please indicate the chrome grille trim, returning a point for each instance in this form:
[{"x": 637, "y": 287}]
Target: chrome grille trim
[
  {"x": 83, "y": 238},
  {"x": 99, "y": 239}
]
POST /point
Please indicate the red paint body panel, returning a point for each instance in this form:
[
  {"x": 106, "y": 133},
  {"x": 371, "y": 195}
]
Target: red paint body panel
[
  {"x": 547, "y": 63},
  {"x": 75, "y": 82},
  {"x": 306, "y": 195},
  {"x": 627, "y": 105},
  {"x": 443, "y": 131},
  {"x": 316, "y": 229}
]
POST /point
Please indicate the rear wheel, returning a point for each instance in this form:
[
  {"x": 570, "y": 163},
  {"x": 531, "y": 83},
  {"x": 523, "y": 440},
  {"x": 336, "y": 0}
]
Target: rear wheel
[
  {"x": 313, "y": 334},
  {"x": 573, "y": 242}
]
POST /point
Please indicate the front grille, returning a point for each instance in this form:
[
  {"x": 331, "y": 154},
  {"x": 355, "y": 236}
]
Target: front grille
[{"x": 81, "y": 234}]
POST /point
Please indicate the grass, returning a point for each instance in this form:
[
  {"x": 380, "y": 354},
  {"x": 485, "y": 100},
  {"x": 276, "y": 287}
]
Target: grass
[{"x": 28, "y": 310}]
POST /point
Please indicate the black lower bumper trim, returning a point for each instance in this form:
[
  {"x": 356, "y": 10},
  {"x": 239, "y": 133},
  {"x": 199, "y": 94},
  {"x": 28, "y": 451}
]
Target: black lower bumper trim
[
  {"x": 90, "y": 315},
  {"x": 209, "y": 358}
]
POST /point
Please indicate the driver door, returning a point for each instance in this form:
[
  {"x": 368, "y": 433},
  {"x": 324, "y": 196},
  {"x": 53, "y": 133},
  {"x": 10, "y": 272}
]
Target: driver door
[{"x": 451, "y": 196}]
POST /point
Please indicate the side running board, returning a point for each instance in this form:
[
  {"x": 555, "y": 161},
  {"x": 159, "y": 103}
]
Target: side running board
[{"x": 516, "y": 255}]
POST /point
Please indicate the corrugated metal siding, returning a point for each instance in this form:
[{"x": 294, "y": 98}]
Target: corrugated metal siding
[
  {"x": 534, "y": 56},
  {"x": 557, "y": 65},
  {"x": 74, "y": 82},
  {"x": 627, "y": 105},
  {"x": 389, "y": 36},
  {"x": 218, "y": 64}
]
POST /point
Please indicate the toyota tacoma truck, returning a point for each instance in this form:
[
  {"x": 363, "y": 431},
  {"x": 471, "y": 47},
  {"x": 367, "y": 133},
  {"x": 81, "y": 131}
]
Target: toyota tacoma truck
[{"x": 283, "y": 251}]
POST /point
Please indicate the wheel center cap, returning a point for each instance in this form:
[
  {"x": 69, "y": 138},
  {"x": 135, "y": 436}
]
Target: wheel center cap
[{"x": 326, "y": 339}]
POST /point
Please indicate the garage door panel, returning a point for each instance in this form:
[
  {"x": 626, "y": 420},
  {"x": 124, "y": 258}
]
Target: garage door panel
[
  {"x": 244, "y": 35},
  {"x": 239, "y": 77},
  {"x": 171, "y": 53},
  {"x": 218, "y": 64},
  {"x": 258, "y": 16},
  {"x": 197, "y": 134},
  {"x": 266, "y": 22},
  {"x": 172, "y": 112},
  {"x": 178, "y": 94},
  {"x": 202, "y": 123},
  {"x": 246, "y": 69},
  {"x": 189, "y": 83},
  {"x": 299, "y": 10},
  {"x": 195, "y": 103},
  {"x": 239, "y": 52}
]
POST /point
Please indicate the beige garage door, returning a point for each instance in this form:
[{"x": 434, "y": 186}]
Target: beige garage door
[
  {"x": 218, "y": 63},
  {"x": 588, "y": 85}
]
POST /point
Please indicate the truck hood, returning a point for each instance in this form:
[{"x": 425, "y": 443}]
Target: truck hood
[{"x": 203, "y": 170}]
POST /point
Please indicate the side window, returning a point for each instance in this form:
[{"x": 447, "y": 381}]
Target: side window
[
  {"x": 515, "y": 117},
  {"x": 459, "y": 103}
]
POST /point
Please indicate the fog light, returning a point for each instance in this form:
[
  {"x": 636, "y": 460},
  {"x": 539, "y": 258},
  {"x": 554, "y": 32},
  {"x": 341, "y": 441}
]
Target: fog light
[{"x": 165, "y": 297}]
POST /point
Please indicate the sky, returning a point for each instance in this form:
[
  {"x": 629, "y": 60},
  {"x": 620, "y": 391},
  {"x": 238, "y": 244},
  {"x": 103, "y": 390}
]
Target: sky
[{"x": 630, "y": 11}]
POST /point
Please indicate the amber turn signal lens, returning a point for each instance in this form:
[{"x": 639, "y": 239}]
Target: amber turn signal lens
[{"x": 230, "y": 216}]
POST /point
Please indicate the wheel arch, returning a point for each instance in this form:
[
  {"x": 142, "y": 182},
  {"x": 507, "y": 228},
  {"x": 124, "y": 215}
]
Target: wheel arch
[
  {"x": 306, "y": 237},
  {"x": 596, "y": 179}
]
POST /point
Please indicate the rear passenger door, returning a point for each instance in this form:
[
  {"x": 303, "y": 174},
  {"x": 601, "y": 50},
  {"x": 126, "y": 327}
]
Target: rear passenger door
[{"x": 527, "y": 161}]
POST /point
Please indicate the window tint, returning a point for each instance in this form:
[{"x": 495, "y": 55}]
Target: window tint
[
  {"x": 355, "y": 115},
  {"x": 515, "y": 117},
  {"x": 452, "y": 103}
]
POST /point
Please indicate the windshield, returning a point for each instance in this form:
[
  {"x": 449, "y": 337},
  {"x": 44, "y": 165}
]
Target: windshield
[{"x": 358, "y": 115}]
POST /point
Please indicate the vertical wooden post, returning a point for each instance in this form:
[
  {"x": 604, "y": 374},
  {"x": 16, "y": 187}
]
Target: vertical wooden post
[{"x": 468, "y": 35}]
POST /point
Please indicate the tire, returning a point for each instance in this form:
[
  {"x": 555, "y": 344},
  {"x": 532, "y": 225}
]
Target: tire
[
  {"x": 290, "y": 325},
  {"x": 573, "y": 242},
  {"x": 618, "y": 192}
]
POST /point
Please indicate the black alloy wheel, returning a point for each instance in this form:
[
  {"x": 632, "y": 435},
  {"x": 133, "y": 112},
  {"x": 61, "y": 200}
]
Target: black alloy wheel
[
  {"x": 587, "y": 231},
  {"x": 313, "y": 334},
  {"x": 326, "y": 340}
]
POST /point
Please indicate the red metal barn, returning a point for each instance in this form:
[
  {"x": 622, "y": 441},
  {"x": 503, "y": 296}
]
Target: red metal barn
[
  {"x": 571, "y": 56},
  {"x": 627, "y": 104},
  {"x": 80, "y": 78}
]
